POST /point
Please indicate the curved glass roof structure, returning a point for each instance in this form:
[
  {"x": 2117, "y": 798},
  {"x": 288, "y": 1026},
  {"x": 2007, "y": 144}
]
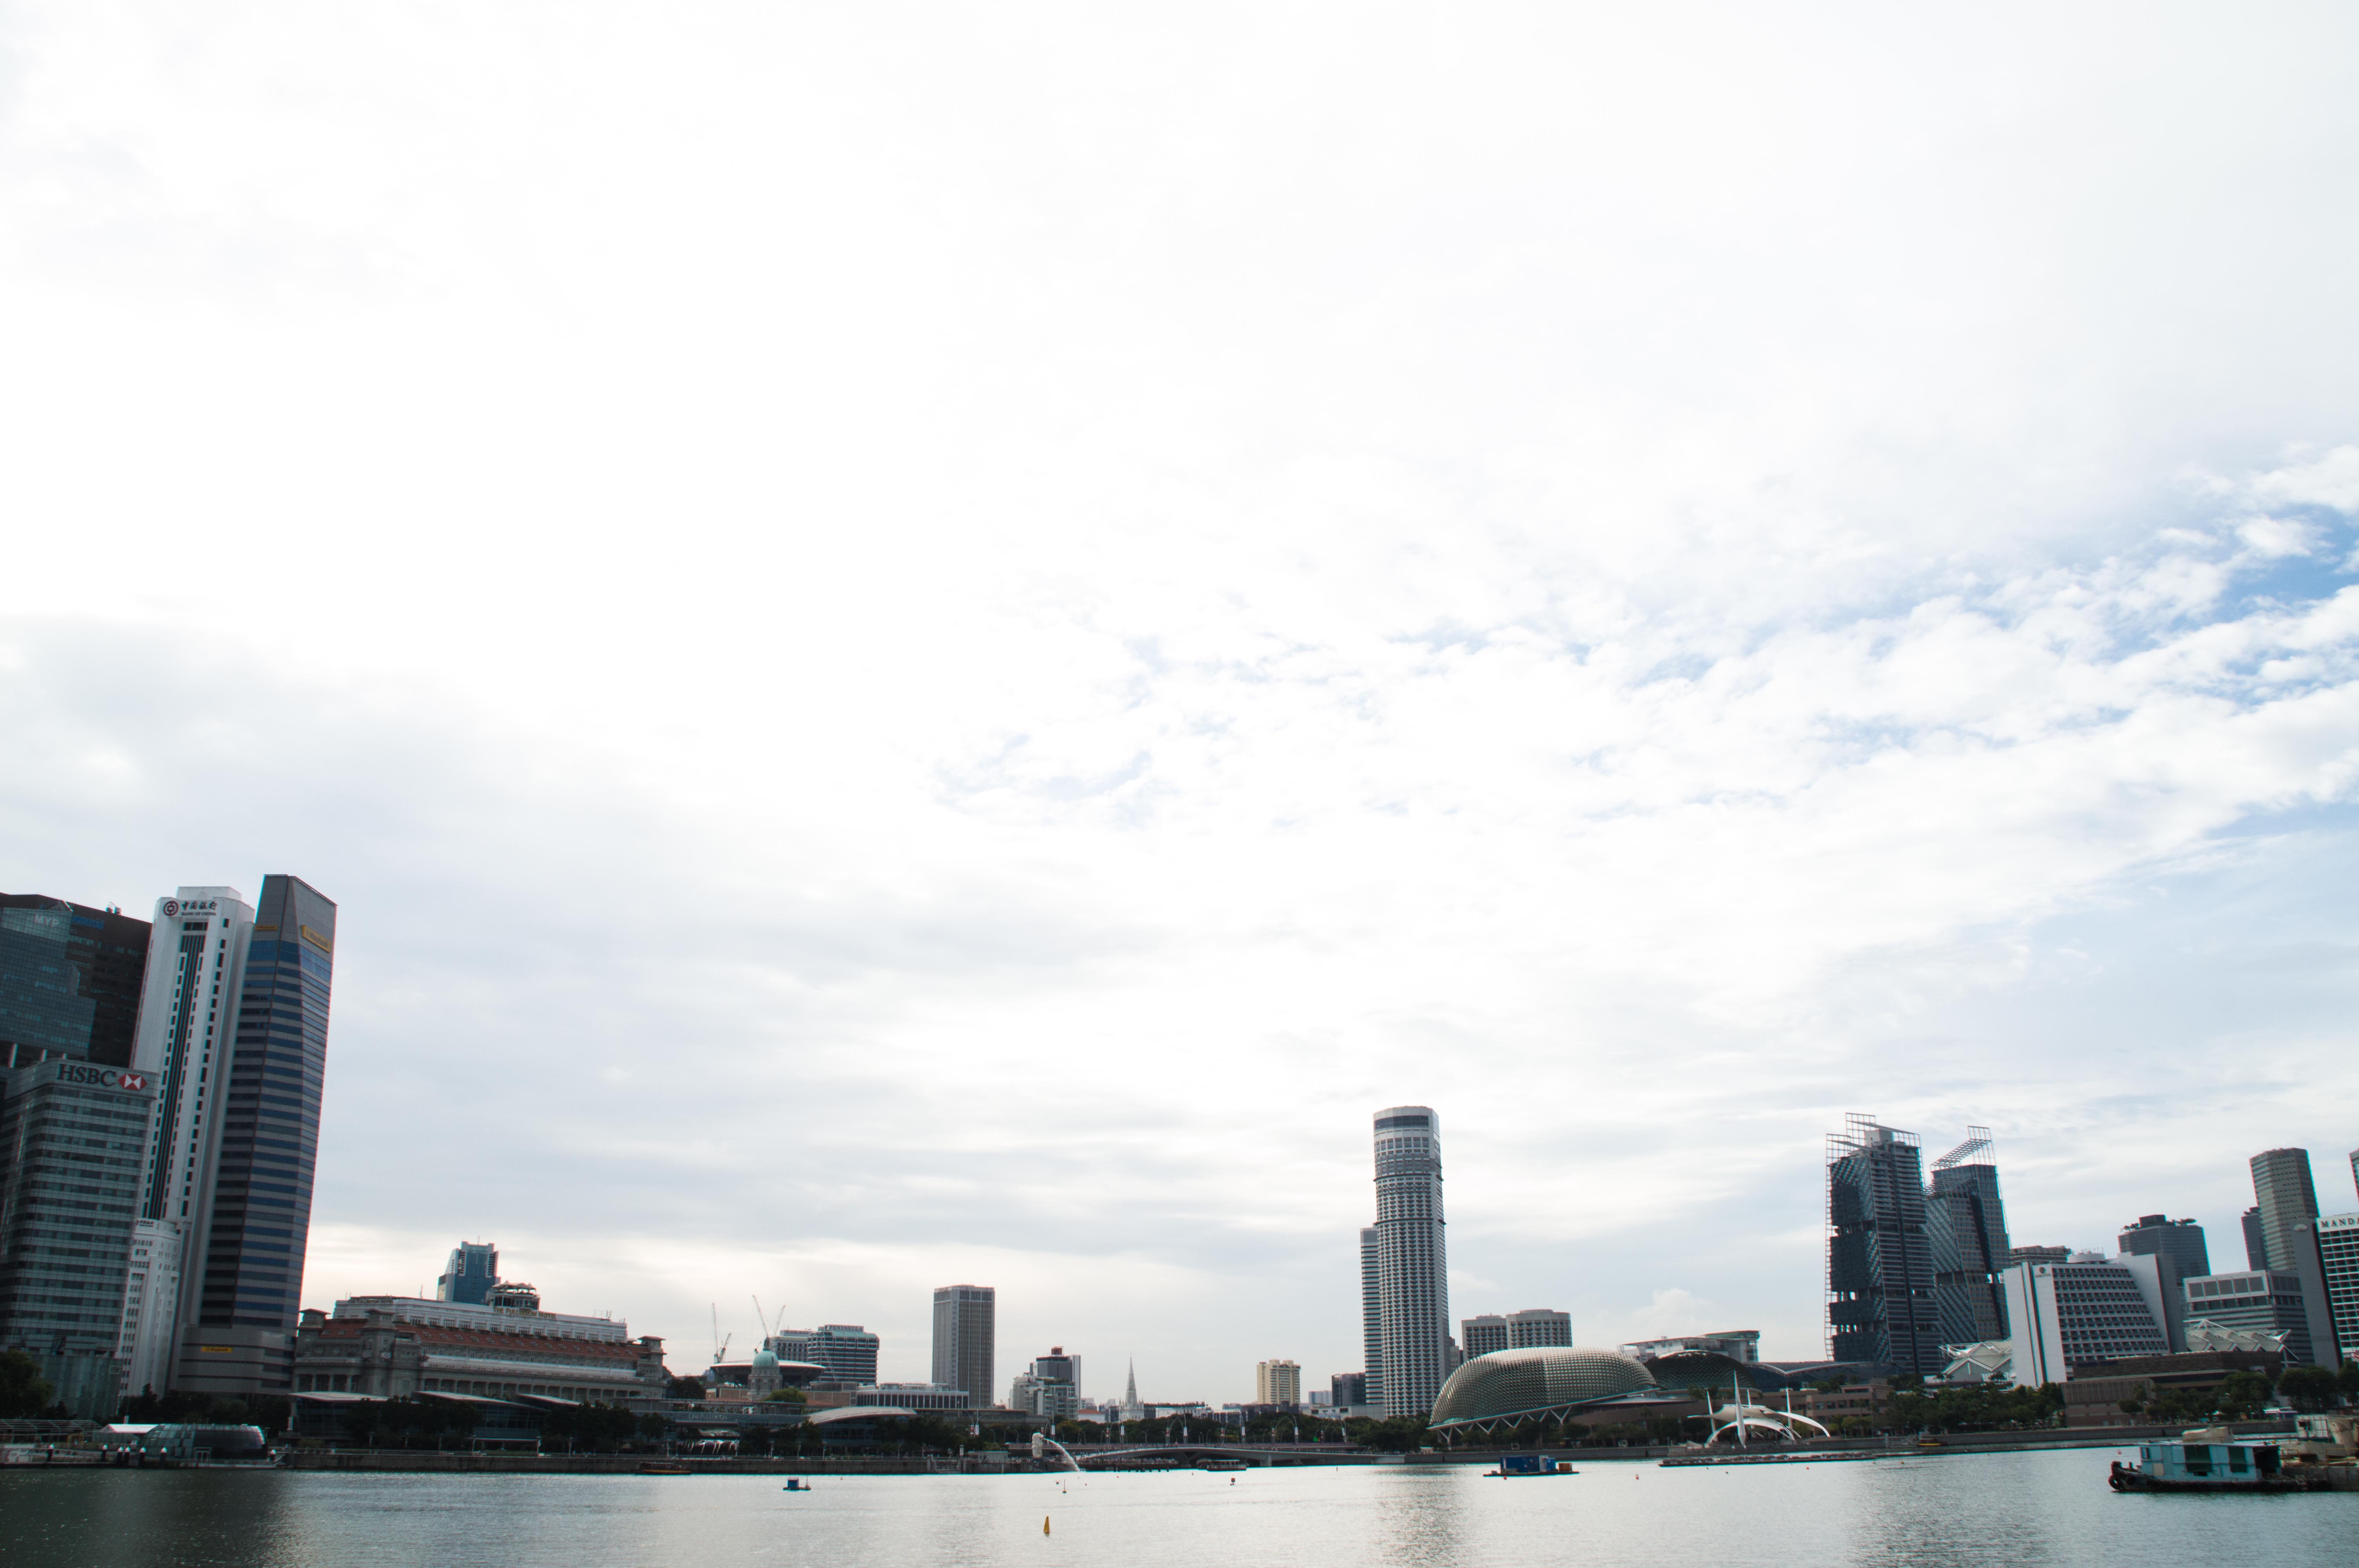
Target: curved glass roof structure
[{"x": 1508, "y": 1384}]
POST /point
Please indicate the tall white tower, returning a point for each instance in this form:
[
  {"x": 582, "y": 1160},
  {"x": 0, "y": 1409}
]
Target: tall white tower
[
  {"x": 1412, "y": 1262},
  {"x": 188, "y": 1018}
]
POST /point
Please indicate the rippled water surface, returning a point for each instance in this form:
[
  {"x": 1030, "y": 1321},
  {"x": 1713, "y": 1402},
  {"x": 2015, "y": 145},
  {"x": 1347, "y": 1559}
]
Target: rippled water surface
[{"x": 1992, "y": 1508}]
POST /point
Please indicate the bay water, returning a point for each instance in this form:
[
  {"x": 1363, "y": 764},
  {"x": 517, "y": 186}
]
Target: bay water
[{"x": 1936, "y": 1511}]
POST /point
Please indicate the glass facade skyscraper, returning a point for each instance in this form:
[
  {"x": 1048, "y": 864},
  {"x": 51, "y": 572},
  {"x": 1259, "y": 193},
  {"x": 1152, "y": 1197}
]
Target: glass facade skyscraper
[
  {"x": 472, "y": 1274},
  {"x": 69, "y": 981},
  {"x": 1880, "y": 1305},
  {"x": 1965, "y": 1231},
  {"x": 72, "y": 1137},
  {"x": 270, "y": 1126},
  {"x": 1412, "y": 1260}
]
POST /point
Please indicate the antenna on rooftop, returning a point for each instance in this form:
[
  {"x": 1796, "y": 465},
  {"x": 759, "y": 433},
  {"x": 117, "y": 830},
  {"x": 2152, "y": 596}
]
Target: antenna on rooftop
[{"x": 1978, "y": 1141}]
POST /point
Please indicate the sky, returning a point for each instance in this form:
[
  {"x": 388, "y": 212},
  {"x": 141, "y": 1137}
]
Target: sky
[{"x": 939, "y": 643}]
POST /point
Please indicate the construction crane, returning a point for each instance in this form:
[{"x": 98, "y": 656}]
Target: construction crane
[
  {"x": 762, "y": 1320},
  {"x": 719, "y": 1341}
]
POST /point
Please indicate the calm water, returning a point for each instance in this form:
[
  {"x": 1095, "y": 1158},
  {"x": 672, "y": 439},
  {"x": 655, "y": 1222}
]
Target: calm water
[{"x": 1995, "y": 1509}]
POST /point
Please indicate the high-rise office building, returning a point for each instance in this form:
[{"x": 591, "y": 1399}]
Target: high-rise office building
[
  {"x": 470, "y": 1275},
  {"x": 1412, "y": 1260},
  {"x": 1481, "y": 1335},
  {"x": 69, "y": 981},
  {"x": 2338, "y": 1253},
  {"x": 2176, "y": 1245},
  {"x": 1880, "y": 1305},
  {"x": 70, "y": 978},
  {"x": 2181, "y": 1241},
  {"x": 966, "y": 1336},
  {"x": 72, "y": 1136},
  {"x": 2062, "y": 1315},
  {"x": 2257, "y": 1246},
  {"x": 1372, "y": 1319},
  {"x": 2287, "y": 1202},
  {"x": 233, "y": 1029},
  {"x": 1278, "y": 1383},
  {"x": 1537, "y": 1326},
  {"x": 1965, "y": 1235},
  {"x": 2285, "y": 1196},
  {"x": 188, "y": 1018},
  {"x": 1348, "y": 1388},
  {"x": 847, "y": 1350}
]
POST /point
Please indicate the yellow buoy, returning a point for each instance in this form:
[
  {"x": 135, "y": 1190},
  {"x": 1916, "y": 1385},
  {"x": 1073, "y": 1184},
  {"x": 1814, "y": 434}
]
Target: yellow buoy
[{"x": 1044, "y": 1524}]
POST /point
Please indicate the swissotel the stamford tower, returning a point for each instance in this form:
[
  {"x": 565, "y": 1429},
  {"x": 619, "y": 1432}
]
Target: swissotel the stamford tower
[{"x": 1409, "y": 1286}]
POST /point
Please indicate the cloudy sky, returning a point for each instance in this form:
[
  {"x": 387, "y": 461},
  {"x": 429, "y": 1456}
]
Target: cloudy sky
[{"x": 936, "y": 643}]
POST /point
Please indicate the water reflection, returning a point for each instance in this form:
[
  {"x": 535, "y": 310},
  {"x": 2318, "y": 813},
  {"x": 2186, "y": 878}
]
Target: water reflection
[{"x": 2026, "y": 1508}]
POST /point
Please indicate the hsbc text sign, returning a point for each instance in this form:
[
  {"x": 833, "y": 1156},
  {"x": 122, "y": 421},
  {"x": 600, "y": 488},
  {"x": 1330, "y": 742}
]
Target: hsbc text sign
[{"x": 103, "y": 1077}]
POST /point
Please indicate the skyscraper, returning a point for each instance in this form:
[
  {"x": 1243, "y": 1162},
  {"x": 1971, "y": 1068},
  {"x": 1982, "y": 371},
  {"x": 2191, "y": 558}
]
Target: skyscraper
[
  {"x": 73, "y": 1131},
  {"x": 2256, "y": 1247},
  {"x": 2286, "y": 1198},
  {"x": 1965, "y": 1234},
  {"x": 261, "y": 1223},
  {"x": 2181, "y": 1241},
  {"x": 1483, "y": 1334},
  {"x": 1412, "y": 1260},
  {"x": 2177, "y": 1246},
  {"x": 69, "y": 981},
  {"x": 2338, "y": 1249},
  {"x": 233, "y": 1029},
  {"x": 1880, "y": 1304},
  {"x": 966, "y": 1333},
  {"x": 2288, "y": 1202},
  {"x": 474, "y": 1270},
  {"x": 73, "y": 1135},
  {"x": 1537, "y": 1326},
  {"x": 1372, "y": 1319},
  {"x": 1277, "y": 1382},
  {"x": 188, "y": 1016}
]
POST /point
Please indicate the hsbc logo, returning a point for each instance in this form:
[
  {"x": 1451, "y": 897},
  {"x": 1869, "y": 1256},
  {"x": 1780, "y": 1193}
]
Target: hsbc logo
[{"x": 104, "y": 1078}]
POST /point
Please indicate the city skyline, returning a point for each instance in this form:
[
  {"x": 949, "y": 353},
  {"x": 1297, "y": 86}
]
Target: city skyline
[{"x": 865, "y": 650}]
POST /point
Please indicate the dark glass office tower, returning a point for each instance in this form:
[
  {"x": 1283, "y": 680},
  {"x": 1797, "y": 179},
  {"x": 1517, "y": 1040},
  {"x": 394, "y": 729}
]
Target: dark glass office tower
[
  {"x": 2256, "y": 1247},
  {"x": 253, "y": 1256},
  {"x": 1965, "y": 1224},
  {"x": 2181, "y": 1241},
  {"x": 70, "y": 980},
  {"x": 471, "y": 1274},
  {"x": 1879, "y": 1266}
]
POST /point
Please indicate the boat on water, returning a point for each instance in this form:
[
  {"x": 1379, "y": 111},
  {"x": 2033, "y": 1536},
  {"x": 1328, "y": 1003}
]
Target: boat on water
[
  {"x": 665, "y": 1467},
  {"x": 795, "y": 1484},
  {"x": 1222, "y": 1464},
  {"x": 1511, "y": 1465},
  {"x": 2189, "y": 1466}
]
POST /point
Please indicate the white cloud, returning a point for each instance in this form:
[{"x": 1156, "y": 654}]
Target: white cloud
[{"x": 945, "y": 648}]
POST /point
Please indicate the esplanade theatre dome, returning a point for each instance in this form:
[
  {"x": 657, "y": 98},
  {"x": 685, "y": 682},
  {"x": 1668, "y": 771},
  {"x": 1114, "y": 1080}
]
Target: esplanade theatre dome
[{"x": 1509, "y": 1383}]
